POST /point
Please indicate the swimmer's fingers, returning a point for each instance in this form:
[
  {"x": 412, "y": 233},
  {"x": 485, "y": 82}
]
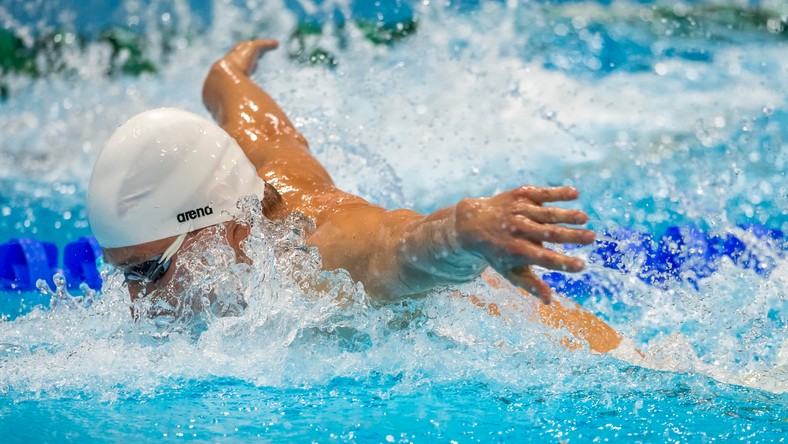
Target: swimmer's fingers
[
  {"x": 492, "y": 229},
  {"x": 557, "y": 234},
  {"x": 541, "y": 195},
  {"x": 517, "y": 252},
  {"x": 263, "y": 46},
  {"x": 552, "y": 215},
  {"x": 521, "y": 252},
  {"x": 525, "y": 278}
]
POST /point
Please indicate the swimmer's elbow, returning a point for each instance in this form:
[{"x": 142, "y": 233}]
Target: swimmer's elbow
[{"x": 273, "y": 203}]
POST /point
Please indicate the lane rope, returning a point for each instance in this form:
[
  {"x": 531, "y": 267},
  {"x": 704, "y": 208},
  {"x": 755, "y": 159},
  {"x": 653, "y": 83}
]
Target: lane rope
[{"x": 681, "y": 254}]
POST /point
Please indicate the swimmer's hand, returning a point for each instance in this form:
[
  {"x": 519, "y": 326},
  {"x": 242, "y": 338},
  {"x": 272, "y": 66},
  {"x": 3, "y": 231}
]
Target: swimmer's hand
[
  {"x": 509, "y": 230},
  {"x": 244, "y": 55}
]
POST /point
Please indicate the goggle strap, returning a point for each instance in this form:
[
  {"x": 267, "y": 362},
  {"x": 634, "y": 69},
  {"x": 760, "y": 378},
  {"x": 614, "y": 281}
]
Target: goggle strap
[{"x": 170, "y": 252}]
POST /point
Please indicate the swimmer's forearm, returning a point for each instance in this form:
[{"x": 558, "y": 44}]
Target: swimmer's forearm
[
  {"x": 396, "y": 253},
  {"x": 401, "y": 253},
  {"x": 240, "y": 106},
  {"x": 228, "y": 92},
  {"x": 270, "y": 141}
]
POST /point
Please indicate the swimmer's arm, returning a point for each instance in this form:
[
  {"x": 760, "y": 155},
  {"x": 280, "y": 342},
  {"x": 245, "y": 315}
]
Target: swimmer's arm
[
  {"x": 270, "y": 141},
  {"x": 238, "y": 104},
  {"x": 585, "y": 328},
  {"x": 393, "y": 253},
  {"x": 400, "y": 253},
  {"x": 581, "y": 324}
]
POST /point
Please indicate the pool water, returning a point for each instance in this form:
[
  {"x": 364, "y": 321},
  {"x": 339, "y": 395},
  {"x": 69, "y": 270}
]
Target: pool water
[{"x": 662, "y": 114}]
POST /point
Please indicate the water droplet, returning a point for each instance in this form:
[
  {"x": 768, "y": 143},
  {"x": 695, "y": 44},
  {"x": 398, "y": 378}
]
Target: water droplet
[{"x": 561, "y": 29}]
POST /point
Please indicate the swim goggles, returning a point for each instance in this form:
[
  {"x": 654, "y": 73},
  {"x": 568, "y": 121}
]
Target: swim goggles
[{"x": 152, "y": 270}]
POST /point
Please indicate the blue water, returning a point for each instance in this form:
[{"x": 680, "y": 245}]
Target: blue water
[
  {"x": 694, "y": 409},
  {"x": 662, "y": 115}
]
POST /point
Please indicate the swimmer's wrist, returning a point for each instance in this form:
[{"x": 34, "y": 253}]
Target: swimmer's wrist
[
  {"x": 434, "y": 247},
  {"x": 465, "y": 262}
]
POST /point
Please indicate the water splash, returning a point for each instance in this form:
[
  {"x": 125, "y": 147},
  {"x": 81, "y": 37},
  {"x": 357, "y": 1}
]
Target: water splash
[
  {"x": 60, "y": 296},
  {"x": 282, "y": 322},
  {"x": 485, "y": 101}
]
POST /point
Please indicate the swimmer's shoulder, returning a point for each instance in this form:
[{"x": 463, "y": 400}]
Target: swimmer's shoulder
[{"x": 336, "y": 205}]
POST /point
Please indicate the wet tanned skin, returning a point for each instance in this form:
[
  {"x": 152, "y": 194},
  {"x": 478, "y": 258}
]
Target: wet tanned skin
[{"x": 397, "y": 253}]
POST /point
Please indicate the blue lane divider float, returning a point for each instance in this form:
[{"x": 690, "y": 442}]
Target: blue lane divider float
[
  {"x": 79, "y": 263},
  {"x": 23, "y": 261},
  {"x": 681, "y": 254}
]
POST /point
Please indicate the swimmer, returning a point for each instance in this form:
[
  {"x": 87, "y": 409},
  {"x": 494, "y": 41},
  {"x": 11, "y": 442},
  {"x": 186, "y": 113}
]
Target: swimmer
[{"x": 166, "y": 174}]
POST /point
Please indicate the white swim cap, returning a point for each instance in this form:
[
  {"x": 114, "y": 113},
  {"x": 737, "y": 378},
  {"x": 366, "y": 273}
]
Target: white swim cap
[{"x": 163, "y": 173}]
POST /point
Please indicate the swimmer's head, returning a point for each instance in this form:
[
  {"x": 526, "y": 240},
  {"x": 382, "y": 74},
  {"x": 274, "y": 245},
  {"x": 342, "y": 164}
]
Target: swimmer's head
[
  {"x": 163, "y": 173},
  {"x": 161, "y": 176}
]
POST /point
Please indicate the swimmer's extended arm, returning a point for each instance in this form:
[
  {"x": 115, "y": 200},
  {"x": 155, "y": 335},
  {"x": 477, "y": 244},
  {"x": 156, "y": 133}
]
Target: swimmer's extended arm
[
  {"x": 394, "y": 253},
  {"x": 402, "y": 252}
]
